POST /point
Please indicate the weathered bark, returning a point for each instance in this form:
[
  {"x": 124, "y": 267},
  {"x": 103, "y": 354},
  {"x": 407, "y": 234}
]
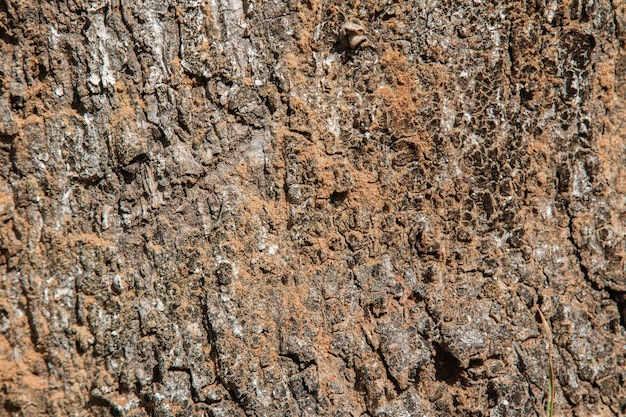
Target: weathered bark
[{"x": 309, "y": 208}]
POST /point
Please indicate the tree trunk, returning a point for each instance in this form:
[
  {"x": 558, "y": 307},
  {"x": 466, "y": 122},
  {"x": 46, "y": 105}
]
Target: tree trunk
[{"x": 227, "y": 208}]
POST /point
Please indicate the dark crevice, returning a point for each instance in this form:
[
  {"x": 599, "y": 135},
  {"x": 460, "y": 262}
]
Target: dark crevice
[
  {"x": 161, "y": 136},
  {"x": 77, "y": 103},
  {"x": 8, "y": 38},
  {"x": 157, "y": 375},
  {"x": 7, "y": 139},
  {"x": 616, "y": 26},
  {"x": 618, "y": 296},
  {"x": 125, "y": 16},
  {"x": 570, "y": 237},
  {"x": 100, "y": 401},
  {"x": 127, "y": 177},
  {"x": 147, "y": 403},
  {"x": 390, "y": 377},
  {"x": 212, "y": 339},
  {"x": 447, "y": 367},
  {"x": 474, "y": 363},
  {"x": 620, "y": 299},
  {"x": 91, "y": 181},
  {"x": 35, "y": 337},
  {"x": 5, "y": 30},
  {"x": 338, "y": 197},
  {"x": 194, "y": 393},
  {"x": 492, "y": 396},
  {"x": 11, "y": 408},
  {"x": 297, "y": 359},
  {"x": 141, "y": 159}
]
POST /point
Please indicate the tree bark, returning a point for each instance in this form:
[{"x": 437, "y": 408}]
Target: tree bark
[{"x": 272, "y": 208}]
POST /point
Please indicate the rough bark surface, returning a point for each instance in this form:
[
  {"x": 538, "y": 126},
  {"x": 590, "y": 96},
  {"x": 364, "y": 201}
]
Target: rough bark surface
[{"x": 312, "y": 208}]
